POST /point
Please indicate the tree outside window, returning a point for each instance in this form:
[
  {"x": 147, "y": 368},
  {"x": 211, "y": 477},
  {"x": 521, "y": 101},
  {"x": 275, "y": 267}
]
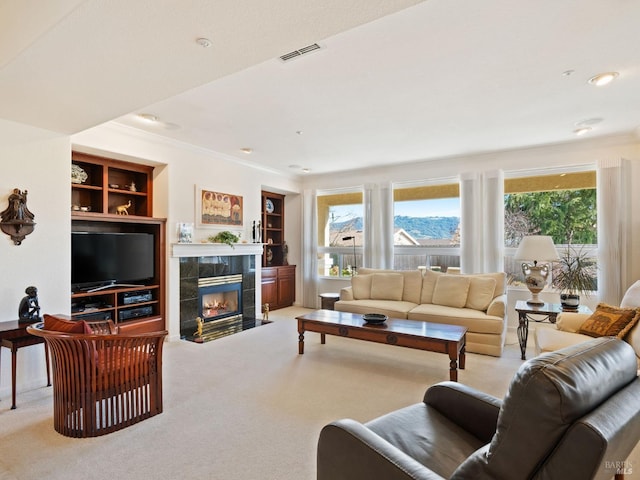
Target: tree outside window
[{"x": 561, "y": 206}]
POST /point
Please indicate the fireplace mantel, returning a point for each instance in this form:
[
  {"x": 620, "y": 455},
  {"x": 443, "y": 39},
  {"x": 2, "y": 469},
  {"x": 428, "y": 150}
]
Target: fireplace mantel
[{"x": 214, "y": 249}]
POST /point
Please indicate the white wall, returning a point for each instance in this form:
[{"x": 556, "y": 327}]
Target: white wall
[
  {"x": 37, "y": 161},
  {"x": 180, "y": 168}
]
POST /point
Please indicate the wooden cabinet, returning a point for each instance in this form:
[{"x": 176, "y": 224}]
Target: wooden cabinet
[
  {"x": 97, "y": 189},
  {"x": 279, "y": 286},
  {"x": 278, "y": 277},
  {"x": 101, "y": 185}
]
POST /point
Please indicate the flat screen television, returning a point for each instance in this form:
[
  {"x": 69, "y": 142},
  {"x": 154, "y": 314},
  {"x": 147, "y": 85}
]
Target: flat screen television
[{"x": 100, "y": 259}]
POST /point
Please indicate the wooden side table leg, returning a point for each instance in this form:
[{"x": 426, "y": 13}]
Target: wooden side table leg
[
  {"x": 14, "y": 355},
  {"x": 323, "y": 338},
  {"x": 523, "y": 333}
]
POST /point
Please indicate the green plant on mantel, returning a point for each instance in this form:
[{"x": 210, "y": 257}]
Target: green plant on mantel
[{"x": 225, "y": 237}]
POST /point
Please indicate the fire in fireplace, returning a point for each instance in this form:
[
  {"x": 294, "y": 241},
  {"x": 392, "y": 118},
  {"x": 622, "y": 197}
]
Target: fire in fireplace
[{"x": 220, "y": 297}]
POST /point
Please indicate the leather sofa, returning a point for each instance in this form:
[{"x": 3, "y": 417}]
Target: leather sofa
[
  {"x": 572, "y": 414},
  {"x": 550, "y": 337},
  {"x": 477, "y": 302}
]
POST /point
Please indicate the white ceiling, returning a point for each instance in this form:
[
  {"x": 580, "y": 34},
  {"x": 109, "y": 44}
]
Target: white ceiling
[{"x": 395, "y": 80}]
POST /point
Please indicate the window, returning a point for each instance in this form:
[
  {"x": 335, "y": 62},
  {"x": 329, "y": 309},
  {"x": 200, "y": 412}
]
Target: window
[
  {"x": 561, "y": 205},
  {"x": 426, "y": 225},
  {"x": 340, "y": 225}
]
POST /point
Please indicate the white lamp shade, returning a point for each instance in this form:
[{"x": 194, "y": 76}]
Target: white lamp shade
[{"x": 539, "y": 248}]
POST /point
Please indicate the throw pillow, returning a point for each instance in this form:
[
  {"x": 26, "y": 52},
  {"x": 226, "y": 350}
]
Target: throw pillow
[
  {"x": 56, "y": 324},
  {"x": 361, "y": 287},
  {"x": 481, "y": 291},
  {"x": 609, "y": 321},
  {"x": 387, "y": 286},
  {"x": 412, "y": 286},
  {"x": 428, "y": 285},
  {"x": 451, "y": 291}
]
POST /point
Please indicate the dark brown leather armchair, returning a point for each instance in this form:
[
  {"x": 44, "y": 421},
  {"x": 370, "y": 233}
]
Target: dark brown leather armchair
[{"x": 569, "y": 414}]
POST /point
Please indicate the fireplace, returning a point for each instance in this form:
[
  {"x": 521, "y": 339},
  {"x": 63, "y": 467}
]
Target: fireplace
[
  {"x": 219, "y": 297},
  {"x": 219, "y": 290}
]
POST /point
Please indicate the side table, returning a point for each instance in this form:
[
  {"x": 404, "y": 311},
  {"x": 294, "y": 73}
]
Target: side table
[
  {"x": 548, "y": 311},
  {"x": 327, "y": 300},
  {"x": 13, "y": 335}
]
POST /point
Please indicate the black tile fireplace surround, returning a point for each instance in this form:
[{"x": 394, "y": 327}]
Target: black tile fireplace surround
[{"x": 193, "y": 269}]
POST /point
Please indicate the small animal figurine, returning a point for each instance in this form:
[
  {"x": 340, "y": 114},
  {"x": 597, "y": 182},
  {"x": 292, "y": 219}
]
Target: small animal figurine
[{"x": 123, "y": 209}]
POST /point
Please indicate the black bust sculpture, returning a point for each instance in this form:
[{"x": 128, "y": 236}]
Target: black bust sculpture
[{"x": 29, "y": 308}]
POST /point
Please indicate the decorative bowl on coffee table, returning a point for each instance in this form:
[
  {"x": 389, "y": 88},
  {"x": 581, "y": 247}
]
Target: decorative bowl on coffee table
[{"x": 374, "y": 318}]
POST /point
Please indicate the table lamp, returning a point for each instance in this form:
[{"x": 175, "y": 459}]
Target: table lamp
[{"x": 536, "y": 248}]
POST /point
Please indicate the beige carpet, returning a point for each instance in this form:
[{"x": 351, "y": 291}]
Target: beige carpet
[{"x": 242, "y": 407}]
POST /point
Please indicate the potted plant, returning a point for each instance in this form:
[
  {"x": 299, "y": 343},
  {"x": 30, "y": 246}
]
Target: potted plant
[
  {"x": 574, "y": 275},
  {"x": 225, "y": 237}
]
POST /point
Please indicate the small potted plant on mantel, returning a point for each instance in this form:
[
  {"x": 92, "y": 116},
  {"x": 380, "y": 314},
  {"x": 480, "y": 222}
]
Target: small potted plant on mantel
[
  {"x": 225, "y": 237},
  {"x": 574, "y": 275}
]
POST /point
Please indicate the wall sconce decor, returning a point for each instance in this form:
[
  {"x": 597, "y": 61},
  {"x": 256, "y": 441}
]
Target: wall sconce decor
[{"x": 16, "y": 219}]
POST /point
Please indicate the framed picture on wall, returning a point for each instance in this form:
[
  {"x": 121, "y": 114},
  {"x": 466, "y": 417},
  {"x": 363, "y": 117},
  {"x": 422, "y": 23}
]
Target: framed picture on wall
[{"x": 215, "y": 208}]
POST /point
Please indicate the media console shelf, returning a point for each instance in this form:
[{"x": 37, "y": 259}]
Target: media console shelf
[{"x": 130, "y": 308}]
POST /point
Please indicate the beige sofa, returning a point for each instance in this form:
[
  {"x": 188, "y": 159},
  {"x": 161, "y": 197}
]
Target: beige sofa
[
  {"x": 551, "y": 337},
  {"x": 477, "y": 302}
]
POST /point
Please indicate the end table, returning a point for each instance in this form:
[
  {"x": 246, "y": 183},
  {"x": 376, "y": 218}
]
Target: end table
[
  {"x": 548, "y": 311},
  {"x": 327, "y": 300}
]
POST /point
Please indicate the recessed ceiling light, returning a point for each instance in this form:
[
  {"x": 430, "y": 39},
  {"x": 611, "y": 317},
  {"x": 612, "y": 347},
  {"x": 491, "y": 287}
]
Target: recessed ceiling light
[
  {"x": 306, "y": 170},
  {"x": 147, "y": 117},
  {"x": 299, "y": 132},
  {"x": 582, "y": 130},
  {"x": 204, "y": 42},
  {"x": 603, "y": 78},
  {"x": 568, "y": 73},
  {"x": 247, "y": 150}
]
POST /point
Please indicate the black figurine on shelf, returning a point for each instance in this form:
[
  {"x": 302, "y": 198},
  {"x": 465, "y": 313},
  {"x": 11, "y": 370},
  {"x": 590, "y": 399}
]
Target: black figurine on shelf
[{"x": 29, "y": 308}]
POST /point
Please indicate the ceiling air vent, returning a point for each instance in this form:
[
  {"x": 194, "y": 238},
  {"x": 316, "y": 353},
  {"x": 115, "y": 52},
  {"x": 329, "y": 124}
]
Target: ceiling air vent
[{"x": 298, "y": 53}]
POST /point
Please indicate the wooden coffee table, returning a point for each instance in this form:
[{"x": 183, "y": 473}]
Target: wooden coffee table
[{"x": 432, "y": 337}]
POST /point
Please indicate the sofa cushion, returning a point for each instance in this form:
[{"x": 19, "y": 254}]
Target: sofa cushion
[
  {"x": 56, "y": 324},
  {"x": 412, "y": 289},
  {"x": 390, "y": 308},
  {"x": 428, "y": 285},
  {"x": 549, "y": 339},
  {"x": 451, "y": 290},
  {"x": 361, "y": 287},
  {"x": 412, "y": 281},
  {"x": 571, "y": 321},
  {"x": 475, "y": 320},
  {"x": 387, "y": 286},
  {"x": 633, "y": 338},
  {"x": 609, "y": 321},
  {"x": 481, "y": 291},
  {"x": 631, "y": 297}
]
